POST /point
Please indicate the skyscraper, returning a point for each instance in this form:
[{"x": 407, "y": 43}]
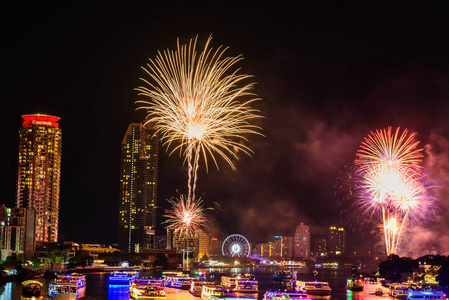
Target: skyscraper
[
  {"x": 336, "y": 241},
  {"x": 138, "y": 188},
  {"x": 320, "y": 247},
  {"x": 302, "y": 241},
  {"x": 39, "y": 171}
]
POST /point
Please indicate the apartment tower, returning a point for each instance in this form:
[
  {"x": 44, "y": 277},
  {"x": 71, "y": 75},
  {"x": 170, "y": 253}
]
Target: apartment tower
[
  {"x": 336, "y": 242},
  {"x": 39, "y": 173},
  {"x": 301, "y": 246},
  {"x": 138, "y": 188}
]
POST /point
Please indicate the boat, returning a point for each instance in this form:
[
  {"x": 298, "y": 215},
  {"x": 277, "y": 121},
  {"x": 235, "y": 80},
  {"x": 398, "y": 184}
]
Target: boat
[
  {"x": 313, "y": 287},
  {"x": 196, "y": 287},
  {"x": 272, "y": 295},
  {"x": 241, "y": 283},
  {"x": 281, "y": 276},
  {"x": 425, "y": 293},
  {"x": 68, "y": 287},
  {"x": 355, "y": 285},
  {"x": 122, "y": 278},
  {"x": 215, "y": 292},
  {"x": 378, "y": 292},
  {"x": 398, "y": 291},
  {"x": 31, "y": 288},
  {"x": 146, "y": 290},
  {"x": 176, "y": 280},
  {"x": 148, "y": 281}
]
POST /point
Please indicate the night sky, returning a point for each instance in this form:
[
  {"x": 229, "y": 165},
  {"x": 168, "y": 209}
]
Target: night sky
[{"x": 328, "y": 74}]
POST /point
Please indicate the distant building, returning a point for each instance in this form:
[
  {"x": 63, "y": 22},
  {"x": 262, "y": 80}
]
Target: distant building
[
  {"x": 203, "y": 244},
  {"x": 302, "y": 241},
  {"x": 265, "y": 250},
  {"x": 17, "y": 229},
  {"x": 336, "y": 241},
  {"x": 138, "y": 188},
  {"x": 320, "y": 249},
  {"x": 288, "y": 242},
  {"x": 215, "y": 246},
  {"x": 282, "y": 247},
  {"x": 160, "y": 242},
  {"x": 39, "y": 172}
]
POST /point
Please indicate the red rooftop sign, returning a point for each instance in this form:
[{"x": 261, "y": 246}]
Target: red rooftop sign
[{"x": 38, "y": 119}]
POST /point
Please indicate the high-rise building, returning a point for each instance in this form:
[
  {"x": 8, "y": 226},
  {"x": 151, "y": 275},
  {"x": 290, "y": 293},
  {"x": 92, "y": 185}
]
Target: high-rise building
[
  {"x": 203, "y": 244},
  {"x": 215, "y": 246},
  {"x": 39, "y": 171},
  {"x": 336, "y": 241},
  {"x": 17, "y": 227},
  {"x": 265, "y": 249},
  {"x": 138, "y": 188},
  {"x": 302, "y": 241},
  {"x": 320, "y": 247},
  {"x": 288, "y": 242},
  {"x": 282, "y": 246}
]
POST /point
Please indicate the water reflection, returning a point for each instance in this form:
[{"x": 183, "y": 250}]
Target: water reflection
[
  {"x": 98, "y": 288},
  {"x": 118, "y": 292}
]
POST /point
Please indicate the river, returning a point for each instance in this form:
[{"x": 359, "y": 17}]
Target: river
[{"x": 97, "y": 284}]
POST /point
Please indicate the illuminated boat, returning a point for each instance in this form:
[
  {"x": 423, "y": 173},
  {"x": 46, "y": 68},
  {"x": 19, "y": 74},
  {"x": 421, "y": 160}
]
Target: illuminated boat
[
  {"x": 313, "y": 287},
  {"x": 196, "y": 287},
  {"x": 272, "y": 295},
  {"x": 148, "y": 281},
  {"x": 122, "y": 278},
  {"x": 31, "y": 288},
  {"x": 144, "y": 290},
  {"x": 219, "y": 292},
  {"x": 355, "y": 285},
  {"x": 241, "y": 283},
  {"x": 176, "y": 280},
  {"x": 398, "y": 291},
  {"x": 425, "y": 293},
  {"x": 71, "y": 286}
]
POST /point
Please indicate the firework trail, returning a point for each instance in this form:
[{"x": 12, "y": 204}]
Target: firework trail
[
  {"x": 186, "y": 216},
  {"x": 391, "y": 184},
  {"x": 200, "y": 105}
]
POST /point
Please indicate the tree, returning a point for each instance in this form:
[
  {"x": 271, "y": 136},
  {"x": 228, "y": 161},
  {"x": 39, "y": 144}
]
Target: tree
[
  {"x": 82, "y": 258},
  {"x": 394, "y": 266}
]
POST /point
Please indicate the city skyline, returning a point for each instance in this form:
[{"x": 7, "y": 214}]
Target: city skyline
[{"x": 328, "y": 74}]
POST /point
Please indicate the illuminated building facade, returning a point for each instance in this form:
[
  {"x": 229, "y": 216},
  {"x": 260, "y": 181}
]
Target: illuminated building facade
[
  {"x": 320, "y": 247},
  {"x": 302, "y": 241},
  {"x": 160, "y": 242},
  {"x": 287, "y": 245},
  {"x": 203, "y": 244},
  {"x": 138, "y": 188},
  {"x": 265, "y": 249},
  {"x": 215, "y": 246},
  {"x": 282, "y": 247},
  {"x": 336, "y": 241},
  {"x": 39, "y": 171},
  {"x": 17, "y": 229}
]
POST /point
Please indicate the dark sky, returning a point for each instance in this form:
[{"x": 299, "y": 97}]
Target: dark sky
[{"x": 328, "y": 74}]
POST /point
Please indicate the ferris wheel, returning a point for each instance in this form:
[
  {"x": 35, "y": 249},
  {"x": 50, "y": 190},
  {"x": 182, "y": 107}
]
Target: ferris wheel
[{"x": 236, "y": 245}]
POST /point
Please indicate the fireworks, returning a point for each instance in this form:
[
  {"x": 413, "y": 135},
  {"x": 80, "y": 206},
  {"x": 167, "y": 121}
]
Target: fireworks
[
  {"x": 186, "y": 216},
  {"x": 391, "y": 184},
  {"x": 385, "y": 148},
  {"x": 196, "y": 102}
]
